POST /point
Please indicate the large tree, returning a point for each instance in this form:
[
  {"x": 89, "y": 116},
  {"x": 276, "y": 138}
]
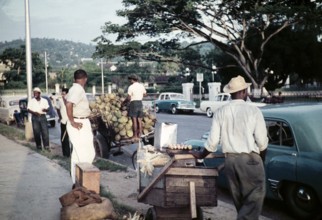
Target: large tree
[
  {"x": 229, "y": 25},
  {"x": 15, "y": 59}
]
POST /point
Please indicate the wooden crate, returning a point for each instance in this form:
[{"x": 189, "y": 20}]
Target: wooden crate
[
  {"x": 173, "y": 188},
  {"x": 88, "y": 176}
]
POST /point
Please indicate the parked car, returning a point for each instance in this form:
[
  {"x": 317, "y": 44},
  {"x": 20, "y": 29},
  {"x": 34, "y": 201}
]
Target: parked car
[
  {"x": 293, "y": 162},
  {"x": 51, "y": 114},
  {"x": 221, "y": 99},
  {"x": 8, "y": 106},
  {"x": 173, "y": 102}
]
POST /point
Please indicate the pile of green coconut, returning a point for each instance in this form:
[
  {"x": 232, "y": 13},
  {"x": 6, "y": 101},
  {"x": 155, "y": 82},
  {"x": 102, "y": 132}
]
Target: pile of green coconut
[{"x": 110, "y": 107}]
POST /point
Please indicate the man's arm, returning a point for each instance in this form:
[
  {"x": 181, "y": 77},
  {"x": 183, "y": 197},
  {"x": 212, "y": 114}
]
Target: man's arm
[{"x": 69, "y": 110}]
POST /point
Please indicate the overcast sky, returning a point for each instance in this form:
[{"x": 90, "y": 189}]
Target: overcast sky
[{"x": 75, "y": 20}]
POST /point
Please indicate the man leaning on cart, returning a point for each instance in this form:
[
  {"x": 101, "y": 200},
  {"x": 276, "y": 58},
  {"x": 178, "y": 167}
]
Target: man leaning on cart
[{"x": 241, "y": 130}]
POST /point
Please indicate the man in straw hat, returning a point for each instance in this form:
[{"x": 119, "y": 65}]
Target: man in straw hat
[
  {"x": 38, "y": 107},
  {"x": 241, "y": 130}
]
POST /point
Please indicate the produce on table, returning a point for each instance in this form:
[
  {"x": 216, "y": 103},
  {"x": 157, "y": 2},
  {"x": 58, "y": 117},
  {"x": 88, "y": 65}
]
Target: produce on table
[{"x": 115, "y": 115}]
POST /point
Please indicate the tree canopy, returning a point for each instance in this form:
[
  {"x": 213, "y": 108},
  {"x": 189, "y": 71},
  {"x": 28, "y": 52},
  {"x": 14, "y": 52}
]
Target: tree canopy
[
  {"x": 241, "y": 29},
  {"x": 15, "y": 59}
]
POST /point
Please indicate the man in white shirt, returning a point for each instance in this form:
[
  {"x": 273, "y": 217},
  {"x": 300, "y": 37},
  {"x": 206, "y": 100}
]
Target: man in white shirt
[
  {"x": 78, "y": 125},
  {"x": 63, "y": 118},
  {"x": 38, "y": 107},
  {"x": 136, "y": 91},
  {"x": 241, "y": 130}
]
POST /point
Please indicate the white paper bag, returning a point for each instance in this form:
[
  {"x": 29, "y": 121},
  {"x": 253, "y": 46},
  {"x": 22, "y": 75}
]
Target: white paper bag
[{"x": 165, "y": 134}]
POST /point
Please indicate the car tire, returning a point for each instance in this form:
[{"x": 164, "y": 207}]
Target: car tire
[
  {"x": 209, "y": 113},
  {"x": 174, "y": 110},
  {"x": 134, "y": 159},
  {"x": 302, "y": 201},
  {"x": 151, "y": 214},
  {"x": 100, "y": 145},
  {"x": 157, "y": 110}
]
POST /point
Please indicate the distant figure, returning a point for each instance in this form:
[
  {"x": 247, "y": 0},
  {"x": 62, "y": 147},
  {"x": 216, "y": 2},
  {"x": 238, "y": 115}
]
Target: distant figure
[
  {"x": 38, "y": 107},
  {"x": 135, "y": 92},
  {"x": 18, "y": 118},
  {"x": 78, "y": 125},
  {"x": 63, "y": 118}
]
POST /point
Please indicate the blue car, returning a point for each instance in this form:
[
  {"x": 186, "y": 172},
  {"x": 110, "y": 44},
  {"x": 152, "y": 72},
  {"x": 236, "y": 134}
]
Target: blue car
[{"x": 293, "y": 162}]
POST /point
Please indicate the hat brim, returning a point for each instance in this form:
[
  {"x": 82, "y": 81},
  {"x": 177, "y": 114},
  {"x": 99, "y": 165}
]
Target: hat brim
[{"x": 228, "y": 90}]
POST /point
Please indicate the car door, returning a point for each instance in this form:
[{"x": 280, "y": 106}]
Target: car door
[{"x": 282, "y": 153}]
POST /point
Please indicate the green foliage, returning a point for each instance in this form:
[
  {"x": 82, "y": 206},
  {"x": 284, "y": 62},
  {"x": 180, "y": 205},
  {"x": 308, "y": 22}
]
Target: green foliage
[
  {"x": 15, "y": 59},
  {"x": 60, "y": 53},
  {"x": 241, "y": 29}
]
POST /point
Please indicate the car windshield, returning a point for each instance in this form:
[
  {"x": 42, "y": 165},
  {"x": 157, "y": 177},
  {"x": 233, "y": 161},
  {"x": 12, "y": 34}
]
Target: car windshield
[{"x": 177, "y": 97}]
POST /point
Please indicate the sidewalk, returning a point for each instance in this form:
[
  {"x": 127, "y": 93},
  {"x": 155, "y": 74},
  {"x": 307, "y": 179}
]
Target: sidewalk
[{"x": 30, "y": 184}]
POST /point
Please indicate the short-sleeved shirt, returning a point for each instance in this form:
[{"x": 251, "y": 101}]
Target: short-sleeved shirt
[
  {"x": 38, "y": 106},
  {"x": 62, "y": 108},
  {"x": 136, "y": 91},
  {"x": 77, "y": 96},
  {"x": 239, "y": 128}
]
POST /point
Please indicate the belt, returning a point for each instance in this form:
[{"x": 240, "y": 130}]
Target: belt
[
  {"x": 81, "y": 117},
  {"x": 236, "y": 154}
]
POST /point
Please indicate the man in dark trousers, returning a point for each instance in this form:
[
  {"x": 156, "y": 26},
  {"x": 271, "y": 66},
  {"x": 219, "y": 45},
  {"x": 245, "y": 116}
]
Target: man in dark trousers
[
  {"x": 38, "y": 107},
  {"x": 63, "y": 118},
  {"x": 241, "y": 130}
]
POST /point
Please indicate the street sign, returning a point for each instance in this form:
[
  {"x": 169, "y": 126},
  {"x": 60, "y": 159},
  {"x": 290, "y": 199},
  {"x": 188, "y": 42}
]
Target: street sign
[{"x": 199, "y": 77}]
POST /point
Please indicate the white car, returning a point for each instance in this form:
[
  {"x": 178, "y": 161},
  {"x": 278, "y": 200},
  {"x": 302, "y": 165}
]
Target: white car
[{"x": 221, "y": 99}]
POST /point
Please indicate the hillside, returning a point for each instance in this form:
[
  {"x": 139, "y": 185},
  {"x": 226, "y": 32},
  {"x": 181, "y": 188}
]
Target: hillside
[{"x": 60, "y": 53}]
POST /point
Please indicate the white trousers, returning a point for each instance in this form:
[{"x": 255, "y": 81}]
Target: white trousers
[{"x": 83, "y": 145}]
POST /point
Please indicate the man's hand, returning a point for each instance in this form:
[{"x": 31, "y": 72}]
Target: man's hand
[{"x": 77, "y": 125}]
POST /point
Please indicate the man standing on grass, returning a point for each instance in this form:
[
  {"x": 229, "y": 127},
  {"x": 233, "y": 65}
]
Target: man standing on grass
[
  {"x": 38, "y": 107},
  {"x": 78, "y": 125}
]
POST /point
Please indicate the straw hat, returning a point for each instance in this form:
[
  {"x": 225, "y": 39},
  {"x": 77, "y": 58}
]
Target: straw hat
[
  {"x": 236, "y": 84},
  {"x": 36, "y": 89}
]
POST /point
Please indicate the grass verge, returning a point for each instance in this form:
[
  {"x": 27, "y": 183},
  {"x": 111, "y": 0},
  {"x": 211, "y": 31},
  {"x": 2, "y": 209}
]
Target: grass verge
[{"x": 18, "y": 135}]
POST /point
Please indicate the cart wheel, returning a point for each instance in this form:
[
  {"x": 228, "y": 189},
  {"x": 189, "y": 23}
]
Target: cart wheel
[
  {"x": 101, "y": 148},
  {"x": 134, "y": 159},
  {"x": 151, "y": 214},
  {"x": 199, "y": 213}
]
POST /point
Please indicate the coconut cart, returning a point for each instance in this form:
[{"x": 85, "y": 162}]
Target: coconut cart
[
  {"x": 112, "y": 128},
  {"x": 178, "y": 189},
  {"x": 105, "y": 142}
]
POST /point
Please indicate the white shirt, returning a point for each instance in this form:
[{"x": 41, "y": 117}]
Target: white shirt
[
  {"x": 136, "y": 91},
  {"x": 62, "y": 108},
  {"x": 38, "y": 106},
  {"x": 239, "y": 127},
  {"x": 77, "y": 96}
]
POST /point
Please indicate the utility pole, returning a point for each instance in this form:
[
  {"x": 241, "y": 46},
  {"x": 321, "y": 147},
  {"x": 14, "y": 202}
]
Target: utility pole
[
  {"x": 28, "y": 125},
  {"x": 46, "y": 74},
  {"x": 28, "y": 52},
  {"x": 102, "y": 67}
]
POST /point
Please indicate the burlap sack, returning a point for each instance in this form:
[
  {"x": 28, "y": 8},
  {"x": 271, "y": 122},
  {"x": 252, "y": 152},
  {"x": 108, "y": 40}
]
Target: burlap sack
[{"x": 94, "y": 211}]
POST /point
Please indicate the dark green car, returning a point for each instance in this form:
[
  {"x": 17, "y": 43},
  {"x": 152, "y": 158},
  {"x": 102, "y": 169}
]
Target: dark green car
[{"x": 293, "y": 161}]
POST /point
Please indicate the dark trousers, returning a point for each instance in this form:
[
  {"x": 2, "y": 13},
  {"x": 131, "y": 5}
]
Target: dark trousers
[
  {"x": 40, "y": 129},
  {"x": 246, "y": 180},
  {"x": 64, "y": 140}
]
